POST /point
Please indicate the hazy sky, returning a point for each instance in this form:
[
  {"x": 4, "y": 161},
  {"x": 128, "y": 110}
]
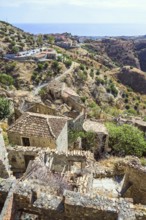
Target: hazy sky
[{"x": 73, "y": 11}]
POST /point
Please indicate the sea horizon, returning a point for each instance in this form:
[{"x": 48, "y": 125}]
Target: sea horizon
[{"x": 99, "y": 29}]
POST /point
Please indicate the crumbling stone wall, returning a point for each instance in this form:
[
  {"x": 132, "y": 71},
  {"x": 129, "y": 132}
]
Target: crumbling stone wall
[
  {"x": 77, "y": 123},
  {"x": 4, "y": 164},
  {"x": 42, "y": 109},
  {"x": 6, "y": 197},
  {"x": 62, "y": 140},
  {"x": 16, "y": 156},
  {"x": 59, "y": 161},
  {"x": 101, "y": 133},
  {"x": 16, "y": 138},
  {"x": 134, "y": 185}
]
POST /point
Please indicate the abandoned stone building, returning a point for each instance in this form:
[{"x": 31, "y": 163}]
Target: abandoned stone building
[
  {"x": 101, "y": 133},
  {"x": 35, "y": 107},
  {"x": 40, "y": 130},
  {"x": 72, "y": 185}
]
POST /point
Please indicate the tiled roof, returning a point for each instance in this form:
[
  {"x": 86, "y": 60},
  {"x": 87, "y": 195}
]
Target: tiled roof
[{"x": 38, "y": 125}]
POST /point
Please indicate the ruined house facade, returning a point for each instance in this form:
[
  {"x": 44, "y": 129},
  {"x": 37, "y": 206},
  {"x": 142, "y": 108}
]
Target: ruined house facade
[
  {"x": 36, "y": 107},
  {"x": 39, "y": 130},
  {"x": 101, "y": 133},
  {"x": 51, "y": 188}
]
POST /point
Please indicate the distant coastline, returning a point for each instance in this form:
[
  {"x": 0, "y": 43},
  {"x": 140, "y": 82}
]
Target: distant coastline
[{"x": 85, "y": 29}]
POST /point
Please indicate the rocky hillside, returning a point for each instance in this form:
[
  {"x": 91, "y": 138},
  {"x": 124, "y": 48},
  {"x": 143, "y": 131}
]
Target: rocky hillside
[
  {"x": 13, "y": 39},
  {"x": 120, "y": 52},
  {"x": 134, "y": 78},
  {"x": 106, "y": 74}
]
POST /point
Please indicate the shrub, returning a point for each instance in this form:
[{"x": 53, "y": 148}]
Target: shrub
[
  {"x": 82, "y": 75},
  {"x": 15, "y": 49},
  {"x": 126, "y": 139},
  {"x": 40, "y": 66},
  {"x": 131, "y": 111},
  {"x": 55, "y": 66},
  {"x": 143, "y": 161},
  {"x": 83, "y": 98},
  {"x": 92, "y": 74},
  {"x": 68, "y": 63},
  {"x": 4, "y": 108},
  {"x": 113, "y": 89},
  {"x": 10, "y": 66},
  {"x": 45, "y": 65},
  {"x": 99, "y": 81},
  {"x": 97, "y": 72},
  {"x": 82, "y": 67},
  {"x": 89, "y": 138},
  {"x": 42, "y": 92},
  {"x": 6, "y": 79}
]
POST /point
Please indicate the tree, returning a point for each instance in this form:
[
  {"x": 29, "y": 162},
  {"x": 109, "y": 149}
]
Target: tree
[
  {"x": 4, "y": 108},
  {"x": 15, "y": 49},
  {"x": 55, "y": 66},
  {"x": 126, "y": 140},
  {"x": 40, "y": 40},
  {"x": 51, "y": 39}
]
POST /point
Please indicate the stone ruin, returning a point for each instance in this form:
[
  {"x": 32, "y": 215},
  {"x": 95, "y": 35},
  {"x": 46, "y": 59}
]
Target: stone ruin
[
  {"x": 47, "y": 184},
  {"x": 4, "y": 164}
]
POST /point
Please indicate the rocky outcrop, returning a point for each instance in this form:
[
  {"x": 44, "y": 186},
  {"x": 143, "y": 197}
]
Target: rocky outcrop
[
  {"x": 140, "y": 47},
  {"x": 134, "y": 78},
  {"x": 119, "y": 52}
]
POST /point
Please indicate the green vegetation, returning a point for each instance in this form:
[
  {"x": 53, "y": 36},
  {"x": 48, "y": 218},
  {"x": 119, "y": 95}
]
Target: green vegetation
[
  {"x": 39, "y": 40},
  {"x": 4, "y": 108},
  {"x": 99, "y": 81},
  {"x": 88, "y": 138},
  {"x": 51, "y": 39},
  {"x": 92, "y": 73},
  {"x": 42, "y": 92},
  {"x": 82, "y": 67},
  {"x": 56, "y": 67},
  {"x": 98, "y": 72},
  {"x": 15, "y": 49},
  {"x": 112, "y": 89},
  {"x": 10, "y": 66},
  {"x": 68, "y": 63},
  {"x": 6, "y": 79},
  {"x": 95, "y": 110},
  {"x": 130, "y": 111},
  {"x": 82, "y": 75},
  {"x": 143, "y": 161},
  {"x": 126, "y": 140}
]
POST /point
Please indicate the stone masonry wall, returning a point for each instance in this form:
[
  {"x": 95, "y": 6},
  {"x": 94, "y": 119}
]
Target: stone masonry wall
[
  {"x": 62, "y": 140},
  {"x": 134, "y": 185},
  {"x": 4, "y": 164},
  {"x": 16, "y": 138},
  {"x": 16, "y": 156}
]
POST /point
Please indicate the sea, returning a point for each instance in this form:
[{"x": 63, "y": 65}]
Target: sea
[{"x": 85, "y": 29}]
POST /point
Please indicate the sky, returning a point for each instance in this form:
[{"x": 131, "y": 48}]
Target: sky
[{"x": 73, "y": 11}]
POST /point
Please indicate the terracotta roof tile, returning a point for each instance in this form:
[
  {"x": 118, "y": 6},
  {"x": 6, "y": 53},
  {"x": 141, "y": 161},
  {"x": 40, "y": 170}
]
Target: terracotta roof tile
[{"x": 38, "y": 125}]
